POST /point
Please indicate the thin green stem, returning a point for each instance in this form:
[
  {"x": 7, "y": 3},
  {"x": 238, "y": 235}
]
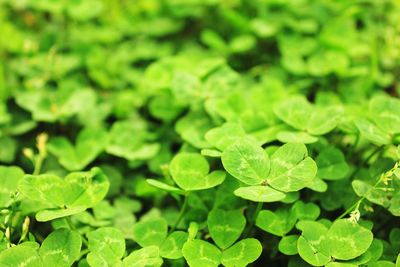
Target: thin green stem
[
  {"x": 382, "y": 178},
  {"x": 83, "y": 253},
  {"x": 72, "y": 227},
  {"x": 352, "y": 207},
  {"x": 253, "y": 218},
  {"x": 355, "y": 144},
  {"x": 38, "y": 165},
  {"x": 181, "y": 213},
  {"x": 376, "y": 151}
]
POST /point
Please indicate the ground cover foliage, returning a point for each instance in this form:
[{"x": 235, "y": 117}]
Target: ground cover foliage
[{"x": 200, "y": 133}]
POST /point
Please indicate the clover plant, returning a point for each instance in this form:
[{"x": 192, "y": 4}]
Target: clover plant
[{"x": 195, "y": 133}]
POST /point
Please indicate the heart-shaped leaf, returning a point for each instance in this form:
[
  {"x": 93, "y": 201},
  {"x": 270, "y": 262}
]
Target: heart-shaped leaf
[
  {"x": 242, "y": 253},
  {"x": 348, "y": 240},
  {"x": 151, "y": 232},
  {"x": 199, "y": 253},
  {"x": 190, "y": 172},
  {"x": 225, "y": 227},
  {"x": 106, "y": 246},
  {"x": 9, "y": 178},
  {"x": 246, "y": 161},
  {"x": 277, "y": 223},
  {"x": 291, "y": 168},
  {"x": 145, "y": 257},
  {"x": 61, "y": 248},
  {"x": 89, "y": 144},
  {"x": 311, "y": 244},
  {"x": 331, "y": 164},
  {"x": 171, "y": 248}
]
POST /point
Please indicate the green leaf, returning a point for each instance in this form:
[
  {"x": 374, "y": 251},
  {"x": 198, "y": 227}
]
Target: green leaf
[
  {"x": 190, "y": 172},
  {"x": 8, "y": 149},
  {"x": 106, "y": 246},
  {"x": 277, "y": 223},
  {"x": 89, "y": 144},
  {"x": 372, "y": 132},
  {"x": 323, "y": 120},
  {"x": 20, "y": 255},
  {"x": 318, "y": 185},
  {"x": 9, "y": 178},
  {"x": 71, "y": 195},
  {"x": 385, "y": 112},
  {"x": 193, "y": 127},
  {"x": 382, "y": 264},
  {"x": 332, "y": 164},
  {"x": 300, "y": 114},
  {"x": 145, "y": 257},
  {"x": 132, "y": 141},
  {"x": 150, "y": 232},
  {"x": 341, "y": 264},
  {"x": 246, "y": 161},
  {"x": 259, "y": 193},
  {"x": 296, "y": 137},
  {"x": 348, "y": 240},
  {"x": 288, "y": 245},
  {"x": 291, "y": 168},
  {"x": 199, "y": 253},
  {"x": 165, "y": 187},
  {"x": 61, "y": 248},
  {"x": 225, "y": 227},
  {"x": 224, "y": 136},
  {"x": 294, "y": 111},
  {"x": 311, "y": 244},
  {"x": 171, "y": 248},
  {"x": 242, "y": 253},
  {"x": 306, "y": 211}
]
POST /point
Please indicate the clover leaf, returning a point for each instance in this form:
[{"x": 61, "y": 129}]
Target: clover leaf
[
  {"x": 301, "y": 115},
  {"x": 347, "y": 240},
  {"x": 151, "y": 232},
  {"x": 106, "y": 246},
  {"x": 190, "y": 171},
  {"x": 71, "y": 195},
  {"x": 332, "y": 164},
  {"x": 19, "y": 256},
  {"x": 311, "y": 244},
  {"x": 144, "y": 257},
  {"x": 9, "y": 178},
  {"x": 288, "y": 245},
  {"x": 242, "y": 253},
  {"x": 199, "y": 253},
  {"x": 223, "y": 136},
  {"x": 171, "y": 248},
  {"x": 61, "y": 248},
  {"x": 277, "y": 223},
  {"x": 259, "y": 193},
  {"x": 131, "y": 140},
  {"x": 225, "y": 227},
  {"x": 89, "y": 144},
  {"x": 246, "y": 161},
  {"x": 291, "y": 168}
]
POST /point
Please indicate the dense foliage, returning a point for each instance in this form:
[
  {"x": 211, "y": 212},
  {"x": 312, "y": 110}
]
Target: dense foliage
[{"x": 200, "y": 133}]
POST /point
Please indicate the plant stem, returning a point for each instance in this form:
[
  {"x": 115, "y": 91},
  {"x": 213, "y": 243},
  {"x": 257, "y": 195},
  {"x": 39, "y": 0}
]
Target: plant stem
[
  {"x": 72, "y": 227},
  {"x": 181, "y": 213},
  {"x": 381, "y": 179},
  {"x": 253, "y": 218},
  {"x": 83, "y": 253},
  {"x": 377, "y": 150},
  {"x": 38, "y": 165}
]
